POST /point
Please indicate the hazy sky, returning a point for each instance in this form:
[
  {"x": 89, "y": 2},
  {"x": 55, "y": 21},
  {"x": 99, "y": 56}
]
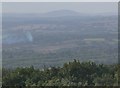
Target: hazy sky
[{"x": 41, "y": 7}]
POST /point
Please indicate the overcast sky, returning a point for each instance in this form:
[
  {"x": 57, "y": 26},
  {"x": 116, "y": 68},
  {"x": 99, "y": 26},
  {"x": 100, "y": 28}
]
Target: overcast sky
[{"x": 42, "y": 7}]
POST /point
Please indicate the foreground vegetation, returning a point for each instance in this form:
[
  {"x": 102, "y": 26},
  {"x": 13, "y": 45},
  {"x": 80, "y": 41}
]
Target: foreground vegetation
[{"x": 74, "y": 73}]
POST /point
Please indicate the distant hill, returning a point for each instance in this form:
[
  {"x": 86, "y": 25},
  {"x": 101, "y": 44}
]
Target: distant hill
[
  {"x": 62, "y": 13},
  {"x": 55, "y": 13}
]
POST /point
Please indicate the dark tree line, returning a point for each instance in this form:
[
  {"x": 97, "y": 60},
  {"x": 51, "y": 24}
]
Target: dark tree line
[{"x": 74, "y": 73}]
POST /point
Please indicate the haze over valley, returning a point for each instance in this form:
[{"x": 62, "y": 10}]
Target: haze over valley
[{"x": 52, "y": 38}]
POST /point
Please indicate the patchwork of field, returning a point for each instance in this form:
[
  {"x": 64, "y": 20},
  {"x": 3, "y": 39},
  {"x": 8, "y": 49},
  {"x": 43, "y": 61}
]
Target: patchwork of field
[{"x": 54, "y": 41}]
